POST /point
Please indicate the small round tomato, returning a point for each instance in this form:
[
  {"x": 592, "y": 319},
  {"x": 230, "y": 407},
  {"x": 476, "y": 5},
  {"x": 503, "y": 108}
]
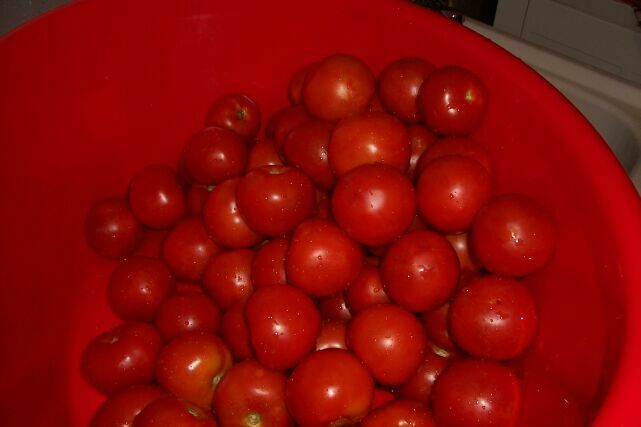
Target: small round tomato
[
  {"x": 400, "y": 413},
  {"x": 137, "y": 287},
  {"x": 187, "y": 311},
  {"x": 235, "y": 332},
  {"x": 367, "y": 289},
  {"x": 456, "y": 147},
  {"x": 474, "y": 393},
  {"x": 187, "y": 249},
  {"x": 420, "y": 271},
  {"x": 450, "y": 191},
  {"x": 197, "y": 197},
  {"x": 121, "y": 357},
  {"x": 369, "y": 138},
  {"x": 268, "y": 267},
  {"x": 338, "y": 86},
  {"x": 283, "y": 122},
  {"x": 373, "y": 204},
  {"x": 120, "y": 409},
  {"x": 263, "y": 153},
  {"x": 421, "y": 140},
  {"x": 191, "y": 365},
  {"x": 399, "y": 85},
  {"x": 334, "y": 307},
  {"x": 227, "y": 277},
  {"x": 295, "y": 88},
  {"x": 452, "y": 101},
  {"x": 389, "y": 340},
  {"x": 236, "y": 112},
  {"x": 156, "y": 197},
  {"x": 329, "y": 387},
  {"x": 332, "y": 335},
  {"x": 273, "y": 200},
  {"x": 112, "y": 230},
  {"x": 513, "y": 235},
  {"x": 306, "y": 147},
  {"x": 460, "y": 243},
  {"x": 322, "y": 259},
  {"x": 174, "y": 412},
  {"x": 251, "y": 395},
  {"x": 419, "y": 386},
  {"x": 214, "y": 154},
  {"x": 435, "y": 323},
  {"x": 283, "y": 325}
]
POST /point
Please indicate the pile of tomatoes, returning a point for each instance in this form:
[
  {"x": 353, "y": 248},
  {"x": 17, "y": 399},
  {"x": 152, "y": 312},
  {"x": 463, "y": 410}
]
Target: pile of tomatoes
[{"x": 352, "y": 266}]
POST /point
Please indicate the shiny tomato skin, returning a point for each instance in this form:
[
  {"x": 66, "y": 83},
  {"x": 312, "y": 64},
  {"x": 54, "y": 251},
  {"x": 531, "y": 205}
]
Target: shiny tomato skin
[
  {"x": 235, "y": 332},
  {"x": 322, "y": 259},
  {"x": 400, "y": 413},
  {"x": 334, "y": 307},
  {"x": 263, "y": 153},
  {"x": 399, "y": 84},
  {"x": 389, "y": 340},
  {"x": 268, "y": 267},
  {"x": 373, "y": 204},
  {"x": 329, "y": 387},
  {"x": 121, "y": 357},
  {"x": 421, "y": 140},
  {"x": 461, "y": 244},
  {"x": 283, "y": 325},
  {"x": 436, "y": 327},
  {"x": 227, "y": 277},
  {"x": 332, "y": 335},
  {"x": 306, "y": 147},
  {"x": 236, "y": 112},
  {"x": 120, "y": 409},
  {"x": 419, "y": 386},
  {"x": 420, "y": 271},
  {"x": 367, "y": 289},
  {"x": 456, "y": 147},
  {"x": 251, "y": 395},
  {"x": 111, "y": 228},
  {"x": 187, "y": 311},
  {"x": 174, "y": 412}
]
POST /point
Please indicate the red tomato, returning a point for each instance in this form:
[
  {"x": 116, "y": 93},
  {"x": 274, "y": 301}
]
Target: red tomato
[
  {"x": 284, "y": 121},
  {"x": 420, "y": 271},
  {"x": 421, "y": 140},
  {"x": 187, "y": 311},
  {"x": 263, "y": 153},
  {"x": 374, "y": 203},
  {"x": 338, "y": 86},
  {"x": 460, "y": 243},
  {"x": 137, "y": 287},
  {"x": 419, "y": 386},
  {"x": 367, "y": 289},
  {"x": 513, "y": 235},
  {"x": 120, "y": 409},
  {"x": 111, "y": 228},
  {"x": 295, "y": 89},
  {"x": 215, "y": 154},
  {"x": 268, "y": 267},
  {"x": 456, "y": 147},
  {"x": 306, "y": 148},
  {"x": 187, "y": 249},
  {"x": 436, "y": 328},
  {"x": 334, "y": 308},
  {"x": 399, "y": 84},
  {"x": 369, "y": 138},
  {"x": 452, "y": 101},
  {"x": 156, "y": 197},
  {"x": 332, "y": 335},
  {"x": 235, "y": 332},
  {"x": 474, "y": 393},
  {"x": 121, "y": 357},
  {"x": 196, "y": 197},
  {"x": 175, "y": 413},
  {"x": 329, "y": 387},
  {"x": 251, "y": 395},
  {"x": 400, "y": 413},
  {"x": 236, "y": 112},
  {"x": 224, "y": 223},
  {"x": 322, "y": 259},
  {"x": 191, "y": 365},
  {"x": 283, "y": 325},
  {"x": 273, "y": 200},
  {"x": 381, "y": 397},
  {"x": 450, "y": 191},
  {"x": 227, "y": 277},
  {"x": 389, "y": 340},
  {"x": 493, "y": 318}
]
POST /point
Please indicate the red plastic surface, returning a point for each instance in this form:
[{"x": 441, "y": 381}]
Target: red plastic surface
[{"x": 92, "y": 92}]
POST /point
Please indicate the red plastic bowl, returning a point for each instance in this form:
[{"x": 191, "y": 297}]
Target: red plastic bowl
[{"x": 92, "y": 92}]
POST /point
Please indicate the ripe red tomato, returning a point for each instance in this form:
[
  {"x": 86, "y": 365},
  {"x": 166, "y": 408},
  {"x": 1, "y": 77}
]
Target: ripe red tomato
[
  {"x": 295, "y": 88},
  {"x": 435, "y": 323},
  {"x": 329, "y": 387},
  {"x": 187, "y": 311},
  {"x": 120, "y": 409},
  {"x": 268, "y": 267},
  {"x": 452, "y": 101},
  {"x": 121, "y": 357},
  {"x": 389, "y": 340},
  {"x": 400, "y": 413},
  {"x": 191, "y": 365},
  {"x": 175, "y": 413},
  {"x": 111, "y": 228},
  {"x": 306, "y": 147},
  {"x": 369, "y": 138},
  {"x": 460, "y": 243},
  {"x": 420, "y": 271},
  {"x": 227, "y": 277},
  {"x": 493, "y": 318},
  {"x": 421, "y": 140},
  {"x": 338, "y": 86},
  {"x": 187, "y": 249},
  {"x": 283, "y": 122},
  {"x": 332, "y": 335},
  {"x": 513, "y": 235},
  {"x": 399, "y": 84},
  {"x": 273, "y": 200},
  {"x": 450, "y": 191},
  {"x": 236, "y": 112},
  {"x": 283, "y": 325},
  {"x": 334, "y": 307},
  {"x": 156, "y": 197},
  {"x": 215, "y": 154},
  {"x": 456, "y": 147},
  {"x": 373, "y": 204},
  {"x": 196, "y": 197},
  {"x": 263, "y": 153},
  {"x": 419, "y": 386},
  {"x": 474, "y": 393},
  {"x": 137, "y": 287},
  {"x": 381, "y": 397},
  {"x": 252, "y": 395},
  {"x": 367, "y": 289},
  {"x": 322, "y": 259},
  {"x": 235, "y": 332}
]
